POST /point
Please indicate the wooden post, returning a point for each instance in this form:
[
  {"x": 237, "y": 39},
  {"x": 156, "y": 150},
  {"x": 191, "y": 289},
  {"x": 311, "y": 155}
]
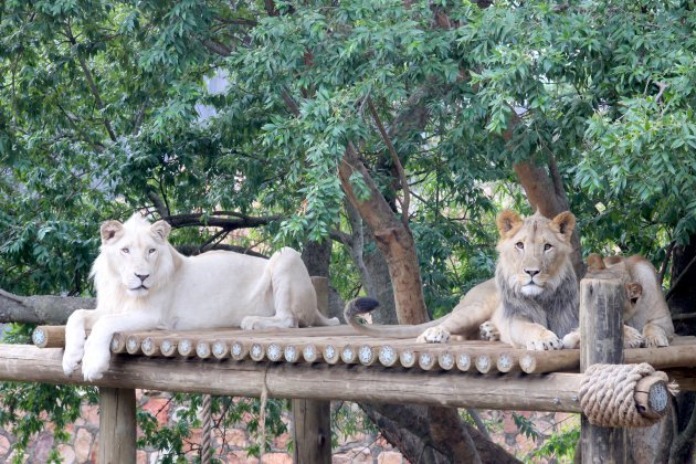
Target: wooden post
[
  {"x": 116, "y": 426},
  {"x": 601, "y": 334},
  {"x": 311, "y": 425}
]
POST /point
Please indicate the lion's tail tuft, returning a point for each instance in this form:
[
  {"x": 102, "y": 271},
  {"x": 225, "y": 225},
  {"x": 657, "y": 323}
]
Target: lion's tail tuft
[{"x": 360, "y": 305}]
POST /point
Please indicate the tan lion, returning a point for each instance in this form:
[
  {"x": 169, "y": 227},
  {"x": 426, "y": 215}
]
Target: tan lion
[
  {"x": 532, "y": 301},
  {"x": 646, "y": 309},
  {"x": 143, "y": 283}
]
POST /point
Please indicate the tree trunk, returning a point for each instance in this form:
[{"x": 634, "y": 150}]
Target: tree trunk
[
  {"x": 410, "y": 428},
  {"x": 545, "y": 192},
  {"x": 681, "y": 299},
  {"x": 393, "y": 238},
  {"x": 373, "y": 268}
]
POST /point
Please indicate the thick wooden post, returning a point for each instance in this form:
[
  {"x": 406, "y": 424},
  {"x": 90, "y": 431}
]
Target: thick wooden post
[
  {"x": 311, "y": 419},
  {"x": 117, "y": 428},
  {"x": 601, "y": 334}
]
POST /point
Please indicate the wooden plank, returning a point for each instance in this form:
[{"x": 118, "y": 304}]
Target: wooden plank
[
  {"x": 601, "y": 332},
  {"x": 551, "y": 392},
  {"x": 117, "y": 427}
]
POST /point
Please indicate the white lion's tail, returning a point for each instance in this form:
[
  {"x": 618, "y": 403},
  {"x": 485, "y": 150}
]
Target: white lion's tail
[{"x": 363, "y": 305}]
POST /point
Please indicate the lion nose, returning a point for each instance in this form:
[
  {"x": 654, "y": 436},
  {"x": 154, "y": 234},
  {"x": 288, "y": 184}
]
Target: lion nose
[
  {"x": 532, "y": 272},
  {"x": 142, "y": 277}
]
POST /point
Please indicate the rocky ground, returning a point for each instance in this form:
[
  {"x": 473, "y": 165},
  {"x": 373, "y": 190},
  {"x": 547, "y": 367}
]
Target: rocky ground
[{"x": 231, "y": 444}]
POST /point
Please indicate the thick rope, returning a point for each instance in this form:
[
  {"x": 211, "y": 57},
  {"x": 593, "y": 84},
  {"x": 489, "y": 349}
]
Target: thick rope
[
  {"x": 607, "y": 394},
  {"x": 207, "y": 430}
]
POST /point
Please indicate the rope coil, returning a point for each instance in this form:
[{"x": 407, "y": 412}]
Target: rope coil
[
  {"x": 610, "y": 395},
  {"x": 207, "y": 431}
]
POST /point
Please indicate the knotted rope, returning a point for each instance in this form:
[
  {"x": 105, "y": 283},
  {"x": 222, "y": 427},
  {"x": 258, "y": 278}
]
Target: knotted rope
[
  {"x": 608, "y": 395},
  {"x": 207, "y": 430}
]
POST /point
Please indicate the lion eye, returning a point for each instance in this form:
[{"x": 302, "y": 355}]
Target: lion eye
[
  {"x": 125, "y": 250},
  {"x": 547, "y": 247},
  {"x": 519, "y": 245}
]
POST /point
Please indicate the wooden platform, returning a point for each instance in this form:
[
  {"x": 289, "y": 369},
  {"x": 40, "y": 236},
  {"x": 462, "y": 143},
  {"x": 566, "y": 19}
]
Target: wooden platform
[{"x": 342, "y": 345}]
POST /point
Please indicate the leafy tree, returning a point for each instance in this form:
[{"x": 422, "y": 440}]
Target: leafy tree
[{"x": 394, "y": 128}]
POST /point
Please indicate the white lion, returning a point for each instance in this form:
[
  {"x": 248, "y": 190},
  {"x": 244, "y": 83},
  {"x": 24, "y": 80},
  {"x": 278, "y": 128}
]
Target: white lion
[{"x": 143, "y": 283}]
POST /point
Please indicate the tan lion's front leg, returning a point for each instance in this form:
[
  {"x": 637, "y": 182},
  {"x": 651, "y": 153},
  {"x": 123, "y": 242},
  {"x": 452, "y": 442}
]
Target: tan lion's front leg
[
  {"x": 655, "y": 336},
  {"x": 524, "y": 334}
]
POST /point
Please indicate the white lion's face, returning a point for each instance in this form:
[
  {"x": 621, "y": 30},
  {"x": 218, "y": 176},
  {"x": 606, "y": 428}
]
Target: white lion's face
[{"x": 138, "y": 252}]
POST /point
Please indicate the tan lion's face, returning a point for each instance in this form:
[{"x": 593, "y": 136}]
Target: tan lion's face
[
  {"x": 534, "y": 251},
  {"x": 138, "y": 252}
]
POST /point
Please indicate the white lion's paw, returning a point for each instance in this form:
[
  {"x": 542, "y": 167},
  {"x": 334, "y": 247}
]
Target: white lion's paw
[
  {"x": 94, "y": 364},
  {"x": 71, "y": 360},
  {"x": 434, "y": 335},
  {"x": 548, "y": 341},
  {"x": 249, "y": 323},
  {"x": 488, "y": 331},
  {"x": 632, "y": 338},
  {"x": 572, "y": 340}
]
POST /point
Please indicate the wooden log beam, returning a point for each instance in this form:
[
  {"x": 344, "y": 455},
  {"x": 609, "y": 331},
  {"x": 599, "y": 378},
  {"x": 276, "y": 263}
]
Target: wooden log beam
[
  {"x": 549, "y": 392},
  {"x": 117, "y": 425},
  {"x": 601, "y": 332}
]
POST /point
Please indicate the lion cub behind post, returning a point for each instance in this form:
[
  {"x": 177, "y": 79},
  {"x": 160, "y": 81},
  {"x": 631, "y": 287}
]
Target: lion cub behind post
[
  {"x": 143, "y": 283},
  {"x": 645, "y": 310},
  {"x": 532, "y": 301}
]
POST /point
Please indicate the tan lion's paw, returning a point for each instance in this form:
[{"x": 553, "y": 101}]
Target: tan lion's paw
[
  {"x": 434, "y": 335},
  {"x": 488, "y": 331},
  {"x": 632, "y": 338},
  {"x": 655, "y": 337},
  {"x": 548, "y": 341},
  {"x": 572, "y": 340}
]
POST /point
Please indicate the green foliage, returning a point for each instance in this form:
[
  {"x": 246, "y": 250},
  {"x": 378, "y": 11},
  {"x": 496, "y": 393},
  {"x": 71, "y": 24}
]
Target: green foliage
[
  {"x": 525, "y": 426},
  {"x": 559, "y": 446}
]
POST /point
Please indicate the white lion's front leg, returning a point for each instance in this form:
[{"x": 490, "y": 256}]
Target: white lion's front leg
[
  {"x": 98, "y": 345},
  {"x": 75, "y": 330}
]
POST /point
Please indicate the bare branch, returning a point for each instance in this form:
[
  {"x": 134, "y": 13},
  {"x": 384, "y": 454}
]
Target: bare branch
[
  {"x": 91, "y": 83},
  {"x": 406, "y": 200},
  {"x": 217, "y": 219},
  {"x": 217, "y": 47}
]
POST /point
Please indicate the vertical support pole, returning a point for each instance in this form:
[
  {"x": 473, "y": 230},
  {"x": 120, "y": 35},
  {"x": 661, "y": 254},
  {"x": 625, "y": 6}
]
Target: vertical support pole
[
  {"x": 311, "y": 419},
  {"x": 117, "y": 428},
  {"x": 601, "y": 335}
]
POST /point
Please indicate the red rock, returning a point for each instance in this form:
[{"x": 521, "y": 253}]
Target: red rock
[
  {"x": 83, "y": 445},
  {"x": 276, "y": 458},
  {"x": 389, "y": 457}
]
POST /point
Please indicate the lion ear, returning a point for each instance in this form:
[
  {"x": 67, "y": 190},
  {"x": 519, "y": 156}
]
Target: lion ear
[
  {"x": 161, "y": 229},
  {"x": 110, "y": 231},
  {"x": 507, "y": 221},
  {"x": 595, "y": 262},
  {"x": 564, "y": 223}
]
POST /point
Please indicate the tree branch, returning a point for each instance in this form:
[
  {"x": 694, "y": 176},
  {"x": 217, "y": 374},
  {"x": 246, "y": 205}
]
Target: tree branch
[
  {"x": 90, "y": 82},
  {"x": 40, "y": 309},
  {"x": 215, "y": 219},
  {"x": 406, "y": 200}
]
